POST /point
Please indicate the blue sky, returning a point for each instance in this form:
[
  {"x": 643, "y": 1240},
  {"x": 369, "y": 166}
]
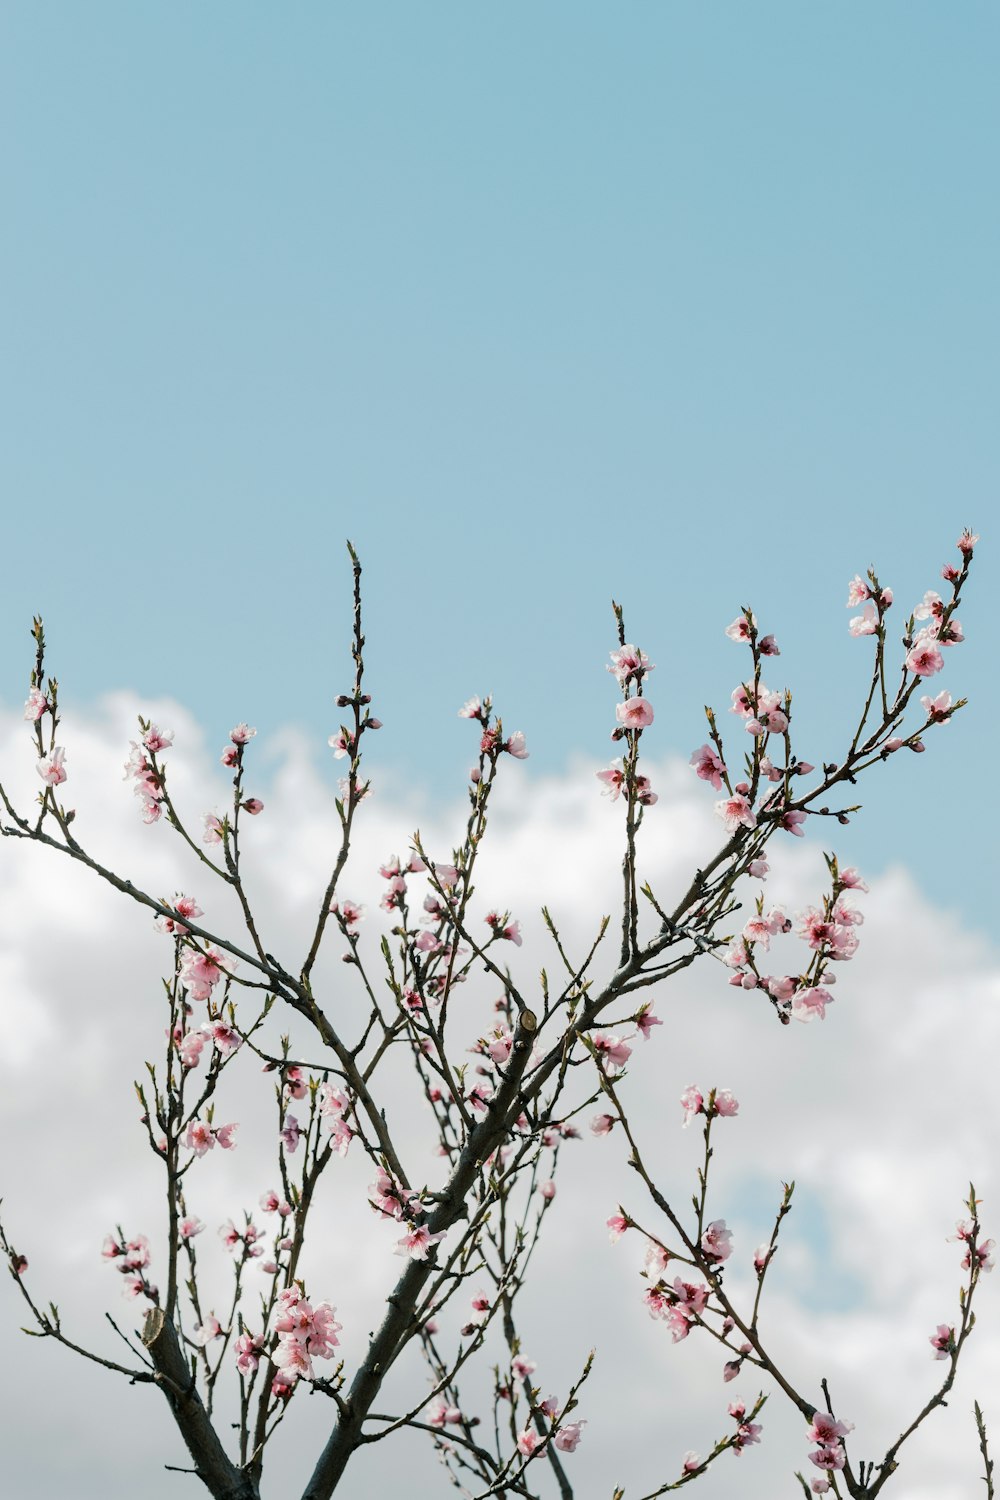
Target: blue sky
[{"x": 539, "y": 305}]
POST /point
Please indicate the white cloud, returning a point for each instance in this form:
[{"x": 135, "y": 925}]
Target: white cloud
[{"x": 881, "y": 1114}]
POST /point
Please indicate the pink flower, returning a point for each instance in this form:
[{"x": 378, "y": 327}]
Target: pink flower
[
  {"x": 826, "y": 1430},
  {"x": 614, "y": 779},
  {"x": 792, "y": 820},
  {"x": 645, "y": 1021},
  {"x": 253, "y": 806},
  {"x": 809, "y": 1003},
  {"x": 692, "y": 1103},
  {"x": 612, "y": 1049},
  {"x": 341, "y": 743},
  {"x": 768, "y": 646},
  {"x": 548, "y": 1190},
  {"x": 603, "y": 1124},
  {"x": 628, "y": 662},
  {"x": 199, "y": 1137},
  {"x": 568, "y": 1437},
  {"x": 717, "y": 1241},
  {"x": 725, "y": 1104},
  {"x": 941, "y": 1341},
  {"x": 350, "y": 913},
  {"x": 528, "y": 1443},
  {"x": 634, "y": 713},
  {"x": 188, "y": 1228},
  {"x": 617, "y": 1224},
  {"x": 966, "y": 542},
  {"x": 417, "y": 1242},
  {"x": 692, "y": 1463},
  {"x": 866, "y": 623},
  {"x": 857, "y": 592},
  {"x": 708, "y": 766},
  {"x": 516, "y": 746},
  {"x": 852, "y": 879},
  {"x": 446, "y": 876},
  {"x": 213, "y": 829},
  {"x": 156, "y": 739},
  {"x": 230, "y": 756},
  {"x": 200, "y": 972},
  {"x": 471, "y": 709},
  {"x": 205, "y": 1332},
  {"x": 51, "y": 768},
  {"x": 247, "y": 1350},
  {"x": 734, "y": 811},
  {"x": 225, "y": 1135},
  {"x": 925, "y": 659},
  {"x": 938, "y": 710},
  {"x": 739, "y": 630},
  {"x": 242, "y": 734},
  {"x": 35, "y": 705},
  {"x": 291, "y": 1133}
]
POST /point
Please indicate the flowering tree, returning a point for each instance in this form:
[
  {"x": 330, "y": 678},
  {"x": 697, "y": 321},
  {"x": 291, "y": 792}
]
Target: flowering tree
[{"x": 467, "y": 1220}]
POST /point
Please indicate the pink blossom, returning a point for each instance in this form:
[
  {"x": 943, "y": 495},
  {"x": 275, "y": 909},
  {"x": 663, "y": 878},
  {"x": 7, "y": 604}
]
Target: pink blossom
[
  {"x": 768, "y": 646},
  {"x": 614, "y": 779},
  {"x": 826, "y": 1430},
  {"x": 941, "y": 1341},
  {"x": 852, "y": 879},
  {"x": 471, "y": 709},
  {"x": 645, "y": 1021},
  {"x": 35, "y": 705},
  {"x": 617, "y": 1225},
  {"x": 691, "y": 1298},
  {"x": 156, "y": 739},
  {"x": 792, "y": 820},
  {"x": 819, "y": 1486},
  {"x": 725, "y": 1104},
  {"x": 634, "y": 713},
  {"x": 242, "y": 734},
  {"x": 200, "y": 972},
  {"x": 188, "y": 1228},
  {"x": 966, "y": 542},
  {"x": 692, "y": 1463},
  {"x": 51, "y": 767},
  {"x": 291, "y": 1133},
  {"x": 739, "y": 630},
  {"x": 692, "y": 1103},
  {"x": 865, "y": 623},
  {"x": 746, "y": 1433},
  {"x": 253, "y": 806},
  {"x": 757, "y": 930},
  {"x": 857, "y": 592},
  {"x": 529, "y": 1442},
  {"x": 516, "y": 746},
  {"x": 522, "y": 1367},
  {"x": 612, "y": 1049},
  {"x": 341, "y": 743},
  {"x": 568, "y": 1437},
  {"x": 717, "y": 1241},
  {"x": 199, "y": 1137},
  {"x": 213, "y": 829},
  {"x": 809, "y": 1003},
  {"x": 350, "y": 912},
  {"x": 446, "y": 876},
  {"x": 205, "y": 1332},
  {"x": 548, "y": 1190},
  {"x": 734, "y": 811},
  {"x": 417, "y": 1242},
  {"x": 925, "y": 659},
  {"x": 230, "y": 756},
  {"x": 938, "y": 710},
  {"x": 708, "y": 766},
  {"x": 644, "y": 792},
  {"x": 225, "y": 1135},
  {"x": 247, "y": 1350},
  {"x": 828, "y": 1457},
  {"x": 628, "y": 662}
]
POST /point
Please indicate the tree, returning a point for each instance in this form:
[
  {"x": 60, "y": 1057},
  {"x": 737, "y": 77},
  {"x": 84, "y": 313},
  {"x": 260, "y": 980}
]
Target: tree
[{"x": 544, "y": 1059}]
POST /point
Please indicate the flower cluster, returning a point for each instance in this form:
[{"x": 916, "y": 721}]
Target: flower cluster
[
  {"x": 829, "y": 1434},
  {"x": 132, "y": 1258},
  {"x": 304, "y": 1333}
]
